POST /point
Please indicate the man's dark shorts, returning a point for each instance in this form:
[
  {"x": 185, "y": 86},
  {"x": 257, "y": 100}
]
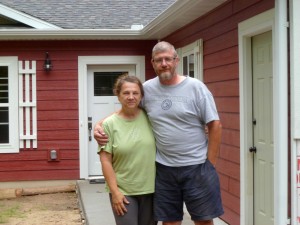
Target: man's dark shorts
[{"x": 197, "y": 185}]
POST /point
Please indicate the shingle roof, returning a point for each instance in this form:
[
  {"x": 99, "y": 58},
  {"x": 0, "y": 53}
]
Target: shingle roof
[{"x": 92, "y": 14}]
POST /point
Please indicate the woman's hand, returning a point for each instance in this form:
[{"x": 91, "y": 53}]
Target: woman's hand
[
  {"x": 99, "y": 134},
  {"x": 118, "y": 203}
]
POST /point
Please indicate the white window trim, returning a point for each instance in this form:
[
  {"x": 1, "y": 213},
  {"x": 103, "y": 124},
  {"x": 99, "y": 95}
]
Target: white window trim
[
  {"x": 13, "y": 145},
  {"x": 195, "y": 48}
]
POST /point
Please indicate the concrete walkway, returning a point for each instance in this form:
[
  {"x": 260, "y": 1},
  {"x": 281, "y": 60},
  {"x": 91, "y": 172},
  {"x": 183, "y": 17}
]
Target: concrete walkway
[{"x": 95, "y": 205}]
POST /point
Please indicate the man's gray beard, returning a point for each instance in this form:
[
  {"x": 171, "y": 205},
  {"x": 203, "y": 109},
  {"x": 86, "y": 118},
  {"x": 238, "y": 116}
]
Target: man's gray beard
[{"x": 165, "y": 76}]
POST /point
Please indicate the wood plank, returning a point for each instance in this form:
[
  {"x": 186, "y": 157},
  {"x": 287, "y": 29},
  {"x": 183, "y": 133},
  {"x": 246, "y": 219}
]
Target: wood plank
[
  {"x": 200, "y": 25},
  {"x": 55, "y": 85},
  {"x": 230, "y": 120},
  {"x": 230, "y": 153},
  {"x": 231, "y": 137},
  {"x": 39, "y": 155},
  {"x": 58, "y": 135},
  {"x": 62, "y": 144},
  {"x": 226, "y": 88},
  {"x": 71, "y": 174},
  {"x": 41, "y": 165},
  {"x": 51, "y": 125},
  {"x": 227, "y": 104},
  {"x": 57, "y": 105},
  {"x": 227, "y": 40},
  {"x": 58, "y": 115},
  {"x": 57, "y": 95},
  {"x": 228, "y": 168},
  {"x": 221, "y": 73},
  {"x": 221, "y": 58},
  {"x": 224, "y": 181},
  {"x": 234, "y": 187}
]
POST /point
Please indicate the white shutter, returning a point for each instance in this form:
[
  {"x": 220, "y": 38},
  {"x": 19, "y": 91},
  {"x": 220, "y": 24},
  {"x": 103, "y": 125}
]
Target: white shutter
[{"x": 27, "y": 104}]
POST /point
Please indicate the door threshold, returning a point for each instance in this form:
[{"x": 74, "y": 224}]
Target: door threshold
[{"x": 96, "y": 180}]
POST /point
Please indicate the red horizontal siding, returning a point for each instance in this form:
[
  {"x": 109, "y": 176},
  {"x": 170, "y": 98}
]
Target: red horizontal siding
[
  {"x": 217, "y": 29},
  {"x": 220, "y": 58},
  {"x": 57, "y": 104},
  {"x": 227, "y": 104},
  {"x": 228, "y": 168},
  {"x": 221, "y": 73},
  {"x": 231, "y": 137},
  {"x": 232, "y": 202},
  {"x": 38, "y": 155},
  {"x": 230, "y": 216},
  {"x": 234, "y": 187},
  {"x": 224, "y": 88},
  {"x": 230, "y": 153},
  {"x": 43, "y": 165},
  {"x": 230, "y": 120},
  {"x": 68, "y": 174},
  {"x": 219, "y": 32}
]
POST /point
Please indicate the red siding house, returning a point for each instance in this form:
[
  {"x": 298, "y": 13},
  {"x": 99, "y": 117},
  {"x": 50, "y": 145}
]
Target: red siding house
[{"x": 58, "y": 62}]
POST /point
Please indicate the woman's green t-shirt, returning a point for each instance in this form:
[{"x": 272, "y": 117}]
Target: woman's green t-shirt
[{"x": 132, "y": 145}]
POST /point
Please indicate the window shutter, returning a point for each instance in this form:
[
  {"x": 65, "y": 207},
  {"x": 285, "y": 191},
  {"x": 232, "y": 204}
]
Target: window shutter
[{"x": 27, "y": 104}]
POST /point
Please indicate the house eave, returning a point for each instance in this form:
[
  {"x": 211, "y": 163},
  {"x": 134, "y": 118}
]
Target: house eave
[
  {"x": 25, "y": 18},
  {"x": 70, "y": 34},
  {"x": 175, "y": 17}
]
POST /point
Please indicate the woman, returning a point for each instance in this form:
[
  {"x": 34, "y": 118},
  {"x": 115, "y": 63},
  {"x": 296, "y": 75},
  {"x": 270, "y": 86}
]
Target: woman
[{"x": 128, "y": 159}]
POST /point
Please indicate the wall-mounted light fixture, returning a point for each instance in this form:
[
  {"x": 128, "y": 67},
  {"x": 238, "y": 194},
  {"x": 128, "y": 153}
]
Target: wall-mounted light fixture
[{"x": 47, "y": 64}]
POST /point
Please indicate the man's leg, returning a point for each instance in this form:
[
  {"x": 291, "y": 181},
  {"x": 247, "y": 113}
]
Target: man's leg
[
  {"x": 172, "y": 223},
  {"x": 168, "y": 202},
  {"x": 202, "y": 194},
  {"x": 205, "y": 222}
]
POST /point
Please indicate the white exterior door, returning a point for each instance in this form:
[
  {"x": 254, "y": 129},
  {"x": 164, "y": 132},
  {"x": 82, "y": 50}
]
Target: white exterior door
[
  {"x": 101, "y": 103},
  {"x": 263, "y": 148}
]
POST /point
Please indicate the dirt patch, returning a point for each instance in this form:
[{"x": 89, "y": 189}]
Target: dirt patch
[{"x": 46, "y": 209}]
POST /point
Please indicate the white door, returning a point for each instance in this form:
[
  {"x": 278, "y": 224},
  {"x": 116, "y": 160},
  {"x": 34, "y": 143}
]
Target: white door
[
  {"x": 263, "y": 129},
  {"x": 101, "y": 103}
]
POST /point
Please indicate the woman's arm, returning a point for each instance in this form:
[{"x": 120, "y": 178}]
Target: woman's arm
[{"x": 118, "y": 199}]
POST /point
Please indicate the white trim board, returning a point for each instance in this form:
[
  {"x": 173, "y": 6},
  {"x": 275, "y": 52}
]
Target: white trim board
[
  {"x": 247, "y": 29},
  {"x": 83, "y": 63},
  {"x": 25, "y": 18}
]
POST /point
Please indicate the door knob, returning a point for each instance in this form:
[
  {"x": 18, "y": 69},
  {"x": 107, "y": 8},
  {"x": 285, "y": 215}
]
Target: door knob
[
  {"x": 90, "y": 128},
  {"x": 252, "y": 149}
]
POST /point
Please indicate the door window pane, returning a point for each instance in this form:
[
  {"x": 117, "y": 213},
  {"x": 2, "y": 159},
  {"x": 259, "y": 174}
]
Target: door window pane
[
  {"x": 4, "y": 123},
  {"x": 4, "y": 128},
  {"x": 185, "y": 65},
  {"x": 191, "y": 65},
  {"x": 188, "y": 65},
  {"x": 3, "y": 84},
  {"x": 104, "y": 82}
]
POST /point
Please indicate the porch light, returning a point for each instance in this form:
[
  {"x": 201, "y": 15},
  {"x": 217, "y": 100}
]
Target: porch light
[{"x": 47, "y": 64}]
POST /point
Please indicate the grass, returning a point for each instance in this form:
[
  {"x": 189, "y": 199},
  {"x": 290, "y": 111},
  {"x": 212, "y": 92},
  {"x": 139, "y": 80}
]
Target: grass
[{"x": 7, "y": 213}]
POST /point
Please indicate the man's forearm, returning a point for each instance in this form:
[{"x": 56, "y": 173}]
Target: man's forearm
[{"x": 214, "y": 141}]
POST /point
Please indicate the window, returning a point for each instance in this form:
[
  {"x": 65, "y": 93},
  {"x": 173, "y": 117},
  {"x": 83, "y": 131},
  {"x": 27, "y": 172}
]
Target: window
[
  {"x": 4, "y": 129},
  {"x": 9, "y": 132},
  {"x": 191, "y": 60},
  {"x": 104, "y": 82}
]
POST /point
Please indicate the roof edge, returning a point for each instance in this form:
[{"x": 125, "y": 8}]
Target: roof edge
[
  {"x": 163, "y": 25},
  {"x": 25, "y": 18},
  {"x": 69, "y": 34}
]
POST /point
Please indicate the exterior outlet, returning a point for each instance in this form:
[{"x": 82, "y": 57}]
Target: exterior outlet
[{"x": 53, "y": 155}]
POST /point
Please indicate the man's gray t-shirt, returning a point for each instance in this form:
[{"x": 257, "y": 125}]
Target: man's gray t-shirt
[{"x": 178, "y": 114}]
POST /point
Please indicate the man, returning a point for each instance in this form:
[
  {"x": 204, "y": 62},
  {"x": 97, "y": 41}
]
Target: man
[{"x": 179, "y": 109}]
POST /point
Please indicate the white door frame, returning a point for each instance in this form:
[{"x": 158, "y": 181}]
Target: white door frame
[
  {"x": 256, "y": 25},
  {"x": 83, "y": 63}
]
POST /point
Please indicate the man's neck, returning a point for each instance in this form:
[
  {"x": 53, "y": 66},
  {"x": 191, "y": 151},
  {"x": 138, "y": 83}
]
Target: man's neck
[{"x": 173, "y": 81}]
